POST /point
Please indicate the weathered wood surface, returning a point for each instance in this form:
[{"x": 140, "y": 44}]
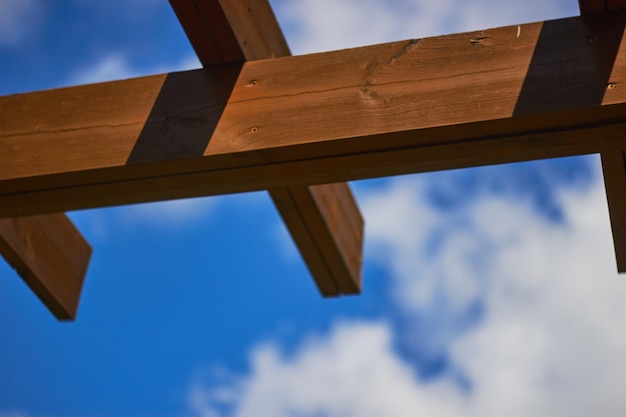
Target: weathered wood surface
[
  {"x": 502, "y": 95},
  {"x": 225, "y": 32},
  {"x": 328, "y": 230},
  {"x": 51, "y": 256}
]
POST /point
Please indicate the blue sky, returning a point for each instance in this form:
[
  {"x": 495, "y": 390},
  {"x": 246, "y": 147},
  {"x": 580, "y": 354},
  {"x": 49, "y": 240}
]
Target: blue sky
[{"x": 487, "y": 292}]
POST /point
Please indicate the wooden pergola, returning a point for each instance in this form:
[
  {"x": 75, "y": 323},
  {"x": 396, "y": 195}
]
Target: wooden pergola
[{"x": 256, "y": 118}]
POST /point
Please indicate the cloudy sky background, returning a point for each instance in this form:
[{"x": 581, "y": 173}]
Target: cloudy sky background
[{"x": 487, "y": 292}]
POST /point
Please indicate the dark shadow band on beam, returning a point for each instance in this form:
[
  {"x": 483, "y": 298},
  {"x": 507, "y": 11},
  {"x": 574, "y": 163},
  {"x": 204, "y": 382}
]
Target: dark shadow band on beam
[
  {"x": 200, "y": 101},
  {"x": 590, "y": 46}
]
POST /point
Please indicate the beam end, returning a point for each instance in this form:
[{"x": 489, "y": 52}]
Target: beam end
[
  {"x": 326, "y": 225},
  {"x": 51, "y": 256}
]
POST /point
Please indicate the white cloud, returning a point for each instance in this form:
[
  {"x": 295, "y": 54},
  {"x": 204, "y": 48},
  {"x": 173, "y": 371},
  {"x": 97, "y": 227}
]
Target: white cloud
[
  {"x": 171, "y": 216},
  {"x": 111, "y": 67},
  {"x": 550, "y": 342},
  {"x": 553, "y": 335},
  {"x": 18, "y": 18},
  {"x": 115, "y": 66},
  {"x": 175, "y": 213},
  {"x": 321, "y": 25},
  {"x": 551, "y": 338},
  {"x": 353, "y": 372}
]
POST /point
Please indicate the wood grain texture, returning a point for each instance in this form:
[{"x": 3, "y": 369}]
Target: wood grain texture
[
  {"x": 51, "y": 256},
  {"x": 208, "y": 31},
  {"x": 227, "y": 31},
  {"x": 614, "y": 170},
  {"x": 438, "y": 103},
  {"x": 222, "y": 32},
  {"x": 327, "y": 227}
]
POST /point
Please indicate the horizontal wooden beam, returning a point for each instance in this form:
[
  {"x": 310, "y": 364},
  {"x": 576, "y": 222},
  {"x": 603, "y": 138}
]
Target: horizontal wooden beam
[
  {"x": 224, "y": 32},
  {"x": 51, "y": 256},
  {"x": 503, "y": 95}
]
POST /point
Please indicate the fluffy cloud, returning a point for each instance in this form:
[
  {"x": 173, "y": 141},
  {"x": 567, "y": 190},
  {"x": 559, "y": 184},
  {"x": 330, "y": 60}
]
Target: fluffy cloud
[
  {"x": 111, "y": 67},
  {"x": 174, "y": 213},
  {"x": 515, "y": 293},
  {"x": 116, "y": 66},
  {"x": 549, "y": 336},
  {"x": 353, "y": 372},
  {"x": 321, "y": 25},
  {"x": 17, "y": 19},
  {"x": 548, "y": 341}
]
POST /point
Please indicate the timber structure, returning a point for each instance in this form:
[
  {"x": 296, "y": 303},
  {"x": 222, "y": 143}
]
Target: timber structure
[{"x": 256, "y": 118}]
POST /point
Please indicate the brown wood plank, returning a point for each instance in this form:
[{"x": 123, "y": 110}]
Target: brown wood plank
[
  {"x": 125, "y": 186},
  {"x": 223, "y": 32},
  {"x": 501, "y": 95},
  {"x": 327, "y": 227},
  {"x": 208, "y": 31},
  {"x": 613, "y": 160},
  {"x": 614, "y": 172},
  {"x": 51, "y": 256}
]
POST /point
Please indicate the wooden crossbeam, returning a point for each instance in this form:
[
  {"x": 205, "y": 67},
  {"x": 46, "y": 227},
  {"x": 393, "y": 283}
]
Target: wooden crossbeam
[
  {"x": 330, "y": 239},
  {"x": 51, "y": 256},
  {"x": 496, "y": 96},
  {"x": 227, "y": 31},
  {"x": 511, "y": 94},
  {"x": 421, "y": 105}
]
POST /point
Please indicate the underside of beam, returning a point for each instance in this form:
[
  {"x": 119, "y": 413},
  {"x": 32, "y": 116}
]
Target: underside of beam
[
  {"x": 51, "y": 256},
  {"x": 327, "y": 227},
  {"x": 502, "y": 95},
  {"x": 225, "y": 32}
]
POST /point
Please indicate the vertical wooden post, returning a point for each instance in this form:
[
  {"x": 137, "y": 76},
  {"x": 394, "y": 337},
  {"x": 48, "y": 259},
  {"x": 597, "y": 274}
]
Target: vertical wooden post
[
  {"x": 614, "y": 170},
  {"x": 613, "y": 165}
]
